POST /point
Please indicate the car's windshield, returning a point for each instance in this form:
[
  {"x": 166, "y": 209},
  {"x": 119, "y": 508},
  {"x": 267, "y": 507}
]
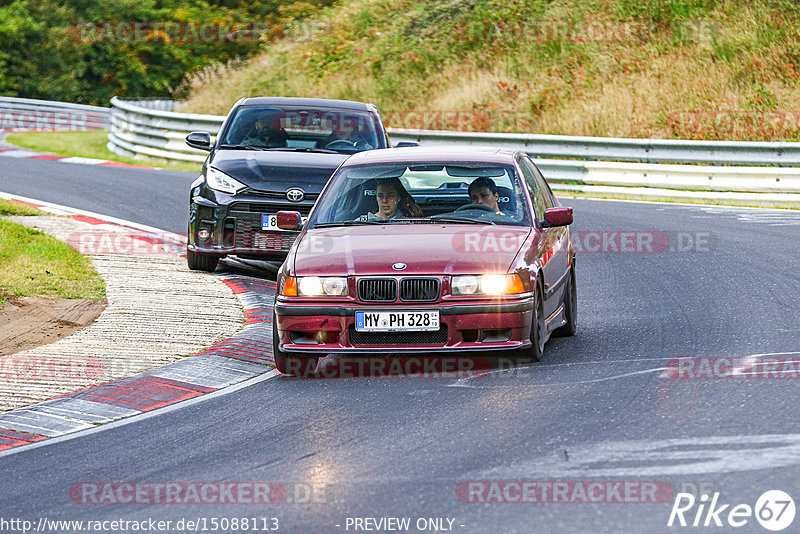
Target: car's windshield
[
  {"x": 412, "y": 193},
  {"x": 297, "y": 129}
]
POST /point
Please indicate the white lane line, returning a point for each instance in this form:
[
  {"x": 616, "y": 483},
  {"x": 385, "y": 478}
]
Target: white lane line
[
  {"x": 663, "y": 359},
  {"x": 83, "y": 161},
  {"x": 18, "y": 154},
  {"x": 146, "y": 415},
  {"x": 642, "y": 458},
  {"x": 470, "y": 382}
]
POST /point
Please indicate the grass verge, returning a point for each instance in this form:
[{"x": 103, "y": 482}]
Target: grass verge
[
  {"x": 8, "y": 207},
  {"x": 88, "y": 144},
  {"x": 33, "y": 263}
]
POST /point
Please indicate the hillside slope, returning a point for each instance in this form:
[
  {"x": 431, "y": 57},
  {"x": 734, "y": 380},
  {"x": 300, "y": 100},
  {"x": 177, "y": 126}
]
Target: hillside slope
[{"x": 698, "y": 69}]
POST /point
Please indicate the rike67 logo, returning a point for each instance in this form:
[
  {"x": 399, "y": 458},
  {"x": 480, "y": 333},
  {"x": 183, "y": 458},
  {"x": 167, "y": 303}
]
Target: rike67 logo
[{"x": 774, "y": 510}]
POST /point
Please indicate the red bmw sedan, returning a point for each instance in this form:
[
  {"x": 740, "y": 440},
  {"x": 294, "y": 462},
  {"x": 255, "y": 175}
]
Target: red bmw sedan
[{"x": 421, "y": 250}]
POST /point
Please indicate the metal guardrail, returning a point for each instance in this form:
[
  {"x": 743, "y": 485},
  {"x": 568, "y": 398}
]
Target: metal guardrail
[
  {"x": 611, "y": 149},
  {"x": 155, "y": 124},
  {"x": 32, "y": 114},
  {"x": 152, "y": 127}
]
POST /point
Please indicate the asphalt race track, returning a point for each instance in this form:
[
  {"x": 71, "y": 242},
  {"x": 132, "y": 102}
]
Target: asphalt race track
[
  {"x": 601, "y": 407},
  {"x": 157, "y": 198}
]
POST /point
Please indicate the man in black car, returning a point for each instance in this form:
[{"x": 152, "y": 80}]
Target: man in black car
[{"x": 266, "y": 132}]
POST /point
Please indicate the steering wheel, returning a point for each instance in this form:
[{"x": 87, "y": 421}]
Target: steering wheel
[
  {"x": 346, "y": 142},
  {"x": 479, "y": 207}
]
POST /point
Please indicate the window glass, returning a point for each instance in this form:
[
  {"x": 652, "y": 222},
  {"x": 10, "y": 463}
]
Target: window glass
[
  {"x": 406, "y": 193},
  {"x": 275, "y": 128},
  {"x": 536, "y": 187}
]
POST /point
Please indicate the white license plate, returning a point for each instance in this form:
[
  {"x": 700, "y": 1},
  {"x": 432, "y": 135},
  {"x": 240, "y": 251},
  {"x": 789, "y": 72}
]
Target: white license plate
[
  {"x": 270, "y": 222},
  {"x": 397, "y": 321}
]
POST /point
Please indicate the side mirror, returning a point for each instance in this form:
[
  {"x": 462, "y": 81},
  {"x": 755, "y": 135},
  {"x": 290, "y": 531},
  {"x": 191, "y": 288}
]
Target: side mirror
[
  {"x": 200, "y": 140},
  {"x": 403, "y": 144},
  {"x": 289, "y": 220},
  {"x": 557, "y": 217}
]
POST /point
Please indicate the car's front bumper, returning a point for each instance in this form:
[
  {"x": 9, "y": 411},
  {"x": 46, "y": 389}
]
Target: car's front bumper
[
  {"x": 234, "y": 225},
  {"x": 324, "y": 328}
]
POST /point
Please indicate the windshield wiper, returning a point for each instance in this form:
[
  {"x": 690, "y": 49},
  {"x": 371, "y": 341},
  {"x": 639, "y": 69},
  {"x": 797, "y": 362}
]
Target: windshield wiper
[
  {"x": 243, "y": 147},
  {"x": 303, "y": 149},
  {"x": 347, "y": 223},
  {"x": 459, "y": 220}
]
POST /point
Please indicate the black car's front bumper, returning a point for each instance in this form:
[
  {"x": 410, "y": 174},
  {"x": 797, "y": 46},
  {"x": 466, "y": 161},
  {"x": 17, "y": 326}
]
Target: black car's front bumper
[{"x": 222, "y": 224}]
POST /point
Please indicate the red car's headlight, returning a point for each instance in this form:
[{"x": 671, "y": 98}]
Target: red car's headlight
[
  {"x": 315, "y": 286},
  {"x": 487, "y": 284}
]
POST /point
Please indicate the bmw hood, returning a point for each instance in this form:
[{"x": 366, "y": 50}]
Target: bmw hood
[
  {"x": 423, "y": 248},
  {"x": 278, "y": 170}
]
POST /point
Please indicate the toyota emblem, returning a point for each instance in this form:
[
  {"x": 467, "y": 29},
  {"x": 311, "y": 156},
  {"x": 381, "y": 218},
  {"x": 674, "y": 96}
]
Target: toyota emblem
[
  {"x": 295, "y": 195},
  {"x": 399, "y": 266}
]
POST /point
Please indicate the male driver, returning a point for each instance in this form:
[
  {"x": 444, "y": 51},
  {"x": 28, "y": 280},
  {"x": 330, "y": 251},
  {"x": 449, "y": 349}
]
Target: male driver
[
  {"x": 484, "y": 191},
  {"x": 264, "y": 135}
]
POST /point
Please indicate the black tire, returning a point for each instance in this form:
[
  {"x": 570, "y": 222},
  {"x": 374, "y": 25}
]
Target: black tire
[
  {"x": 535, "y": 351},
  {"x": 299, "y": 366},
  {"x": 201, "y": 262},
  {"x": 570, "y": 309}
]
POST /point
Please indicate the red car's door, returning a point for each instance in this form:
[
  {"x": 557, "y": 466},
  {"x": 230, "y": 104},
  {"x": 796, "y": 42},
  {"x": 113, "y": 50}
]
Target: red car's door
[{"x": 555, "y": 243}]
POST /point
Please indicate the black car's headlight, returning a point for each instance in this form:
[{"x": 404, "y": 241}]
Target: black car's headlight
[{"x": 219, "y": 181}]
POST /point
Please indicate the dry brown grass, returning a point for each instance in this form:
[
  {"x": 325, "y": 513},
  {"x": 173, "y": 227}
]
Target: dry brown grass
[{"x": 661, "y": 87}]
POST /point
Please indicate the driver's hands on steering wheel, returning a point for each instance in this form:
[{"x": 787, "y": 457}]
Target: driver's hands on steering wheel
[
  {"x": 479, "y": 207},
  {"x": 346, "y": 142}
]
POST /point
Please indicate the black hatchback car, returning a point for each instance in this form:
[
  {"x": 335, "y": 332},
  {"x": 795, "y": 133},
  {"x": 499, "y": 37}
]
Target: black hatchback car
[{"x": 272, "y": 154}]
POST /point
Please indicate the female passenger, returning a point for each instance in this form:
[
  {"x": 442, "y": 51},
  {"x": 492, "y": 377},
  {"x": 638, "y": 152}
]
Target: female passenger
[{"x": 393, "y": 201}]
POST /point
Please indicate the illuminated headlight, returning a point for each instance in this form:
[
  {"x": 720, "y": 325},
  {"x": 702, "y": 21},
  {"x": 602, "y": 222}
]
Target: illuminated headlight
[
  {"x": 220, "y": 181},
  {"x": 487, "y": 284},
  {"x": 325, "y": 286}
]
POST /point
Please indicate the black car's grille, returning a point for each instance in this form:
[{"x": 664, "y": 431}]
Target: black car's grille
[
  {"x": 437, "y": 337},
  {"x": 269, "y": 207},
  {"x": 419, "y": 289},
  {"x": 249, "y": 235},
  {"x": 280, "y": 194},
  {"x": 377, "y": 289}
]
